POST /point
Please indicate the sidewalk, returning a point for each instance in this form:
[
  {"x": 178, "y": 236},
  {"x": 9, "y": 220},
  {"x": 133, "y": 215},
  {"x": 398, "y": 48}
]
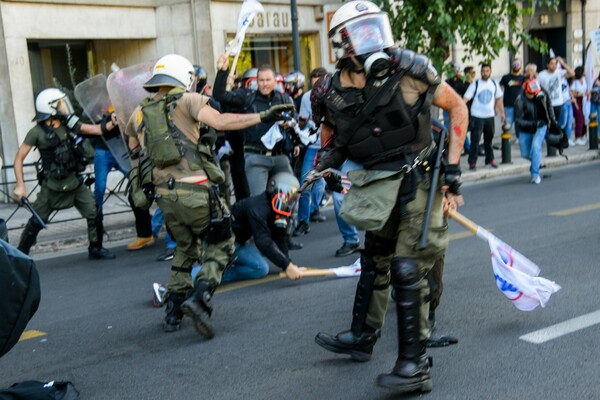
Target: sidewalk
[{"x": 119, "y": 223}]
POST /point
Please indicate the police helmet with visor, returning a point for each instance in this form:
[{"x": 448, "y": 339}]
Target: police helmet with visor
[
  {"x": 50, "y": 103},
  {"x": 171, "y": 70},
  {"x": 361, "y": 30},
  {"x": 294, "y": 81},
  {"x": 249, "y": 79}
]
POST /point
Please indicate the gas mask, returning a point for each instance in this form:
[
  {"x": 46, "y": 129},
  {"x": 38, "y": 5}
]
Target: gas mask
[{"x": 378, "y": 65}]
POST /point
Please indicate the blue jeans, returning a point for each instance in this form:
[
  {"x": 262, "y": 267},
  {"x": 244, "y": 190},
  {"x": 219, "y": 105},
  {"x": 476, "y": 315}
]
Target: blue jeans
[
  {"x": 531, "y": 148},
  {"x": 310, "y": 198},
  {"x": 566, "y": 118},
  {"x": 349, "y": 232},
  {"x": 509, "y": 112},
  {"x": 595, "y": 108},
  {"x": 104, "y": 162},
  {"x": 158, "y": 220},
  {"x": 249, "y": 264}
]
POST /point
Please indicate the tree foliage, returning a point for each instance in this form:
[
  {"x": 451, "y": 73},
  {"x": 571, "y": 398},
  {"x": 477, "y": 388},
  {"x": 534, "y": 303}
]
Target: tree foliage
[{"x": 485, "y": 27}]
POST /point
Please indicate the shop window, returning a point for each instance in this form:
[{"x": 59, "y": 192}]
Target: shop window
[{"x": 277, "y": 51}]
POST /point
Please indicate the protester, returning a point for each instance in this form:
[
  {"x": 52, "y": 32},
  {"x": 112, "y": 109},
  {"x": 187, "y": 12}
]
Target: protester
[
  {"x": 550, "y": 80},
  {"x": 193, "y": 211},
  {"x": 595, "y": 97},
  {"x": 367, "y": 62},
  {"x": 533, "y": 116},
  {"x": 486, "y": 95},
  {"x": 512, "y": 84},
  {"x": 579, "y": 91}
]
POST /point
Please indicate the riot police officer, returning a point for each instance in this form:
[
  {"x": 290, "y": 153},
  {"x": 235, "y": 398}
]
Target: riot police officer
[
  {"x": 184, "y": 171},
  {"x": 57, "y": 137},
  {"x": 378, "y": 105}
]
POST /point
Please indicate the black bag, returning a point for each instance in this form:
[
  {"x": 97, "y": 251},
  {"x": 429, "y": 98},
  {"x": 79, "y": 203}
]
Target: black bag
[
  {"x": 556, "y": 137},
  {"x": 34, "y": 390},
  {"x": 19, "y": 294}
]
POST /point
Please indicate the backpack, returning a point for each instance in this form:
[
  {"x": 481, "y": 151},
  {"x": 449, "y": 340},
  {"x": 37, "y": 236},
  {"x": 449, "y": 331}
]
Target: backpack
[
  {"x": 163, "y": 140},
  {"x": 19, "y": 294}
]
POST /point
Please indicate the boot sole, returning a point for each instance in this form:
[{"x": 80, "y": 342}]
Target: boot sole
[
  {"x": 357, "y": 356},
  {"x": 197, "y": 315},
  {"x": 170, "y": 328},
  {"x": 400, "y": 385}
]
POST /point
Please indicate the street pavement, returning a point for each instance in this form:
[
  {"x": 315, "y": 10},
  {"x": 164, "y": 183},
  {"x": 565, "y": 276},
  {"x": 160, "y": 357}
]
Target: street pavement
[
  {"x": 98, "y": 328},
  {"x": 67, "y": 231}
]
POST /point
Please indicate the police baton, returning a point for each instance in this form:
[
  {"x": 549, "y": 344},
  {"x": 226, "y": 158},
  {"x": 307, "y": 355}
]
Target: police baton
[
  {"x": 25, "y": 203},
  {"x": 432, "y": 190}
]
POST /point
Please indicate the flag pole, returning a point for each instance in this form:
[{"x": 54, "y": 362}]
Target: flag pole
[
  {"x": 311, "y": 272},
  {"x": 464, "y": 221}
]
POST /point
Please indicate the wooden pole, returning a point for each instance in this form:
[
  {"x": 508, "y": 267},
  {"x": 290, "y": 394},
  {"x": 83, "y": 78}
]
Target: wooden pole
[
  {"x": 311, "y": 272},
  {"x": 464, "y": 221}
]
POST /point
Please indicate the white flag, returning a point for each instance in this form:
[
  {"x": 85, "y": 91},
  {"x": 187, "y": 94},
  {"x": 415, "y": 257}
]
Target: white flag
[
  {"x": 516, "y": 276},
  {"x": 590, "y": 76},
  {"x": 247, "y": 14},
  {"x": 348, "y": 271}
]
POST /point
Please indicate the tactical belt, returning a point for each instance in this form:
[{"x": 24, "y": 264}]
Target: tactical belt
[
  {"x": 255, "y": 150},
  {"x": 180, "y": 188}
]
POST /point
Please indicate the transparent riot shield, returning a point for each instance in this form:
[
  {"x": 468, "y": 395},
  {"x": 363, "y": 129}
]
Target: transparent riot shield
[{"x": 92, "y": 95}]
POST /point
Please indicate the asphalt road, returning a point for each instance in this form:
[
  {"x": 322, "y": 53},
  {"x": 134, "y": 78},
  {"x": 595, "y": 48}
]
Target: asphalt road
[{"x": 101, "y": 332}]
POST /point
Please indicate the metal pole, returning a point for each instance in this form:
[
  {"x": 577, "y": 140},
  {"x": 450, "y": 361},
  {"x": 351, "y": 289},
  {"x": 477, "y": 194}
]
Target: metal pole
[
  {"x": 583, "y": 3},
  {"x": 593, "y": 131},
  {"x": 506, "y": 150},
  {"x": 295, "y": 35}
]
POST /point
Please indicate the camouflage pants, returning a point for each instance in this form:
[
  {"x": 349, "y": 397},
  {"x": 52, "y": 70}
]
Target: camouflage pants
[
  {"x": 187, "y": 216},
  {"x": 404, "y": 228}
]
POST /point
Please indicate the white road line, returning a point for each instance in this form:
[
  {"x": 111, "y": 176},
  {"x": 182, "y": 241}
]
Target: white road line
[{"x": 563, "y": 328}]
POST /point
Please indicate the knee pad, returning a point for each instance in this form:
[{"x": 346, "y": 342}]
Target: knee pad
[{"x": 405, "y": 272}]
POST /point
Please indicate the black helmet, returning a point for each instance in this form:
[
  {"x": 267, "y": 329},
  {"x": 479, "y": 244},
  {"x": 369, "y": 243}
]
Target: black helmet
[
  {"x": 201, "y": 78},
  {"x": 282, "y": 189}
]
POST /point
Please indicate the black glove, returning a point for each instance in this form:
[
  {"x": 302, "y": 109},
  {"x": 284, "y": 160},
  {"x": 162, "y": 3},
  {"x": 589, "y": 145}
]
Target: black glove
[
  {"x": 334, "y": 183},
  {"x": 452, "y": 178},
  {"x": 277, "y": 113}
]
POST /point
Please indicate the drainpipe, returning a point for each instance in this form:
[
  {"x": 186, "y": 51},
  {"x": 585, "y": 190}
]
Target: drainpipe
[
  {"x": 583, "y": 3},
  {"x": 194, "y": 32}
]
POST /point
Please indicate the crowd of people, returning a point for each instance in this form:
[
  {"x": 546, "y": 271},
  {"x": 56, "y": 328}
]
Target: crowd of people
[{"x": 553, "y": 105}]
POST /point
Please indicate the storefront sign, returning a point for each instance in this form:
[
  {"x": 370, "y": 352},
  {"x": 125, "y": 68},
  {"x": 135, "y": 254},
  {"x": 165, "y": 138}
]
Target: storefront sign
[{"x": 272, "y": 20}]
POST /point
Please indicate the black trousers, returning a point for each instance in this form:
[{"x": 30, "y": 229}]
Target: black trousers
[{"x": 479, "y": 126}]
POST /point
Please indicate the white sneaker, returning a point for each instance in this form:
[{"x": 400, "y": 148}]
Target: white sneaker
[
  {"x": 536, "y": 180},
  {"x": 572, "y": 143},
  {"x": 581, "y": 141}
]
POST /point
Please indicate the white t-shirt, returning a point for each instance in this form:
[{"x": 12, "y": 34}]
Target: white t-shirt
[
  {"x": 484, "y": 100},
  {"x": 564, "y": 84},
  {"x": 552, "y": 83},
  {"x": 579, "y": 87}
]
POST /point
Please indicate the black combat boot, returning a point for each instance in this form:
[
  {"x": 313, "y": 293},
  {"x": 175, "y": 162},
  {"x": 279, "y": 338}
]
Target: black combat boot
[
  {"x": 174, "y": 315},
  {"x": 97, "y": 252},
  {"x": 357, "y": 342},
  {"x": 198, "y": 308},
  {"x": 412, "y": 369},
  {"x": 29, "y": 235}
]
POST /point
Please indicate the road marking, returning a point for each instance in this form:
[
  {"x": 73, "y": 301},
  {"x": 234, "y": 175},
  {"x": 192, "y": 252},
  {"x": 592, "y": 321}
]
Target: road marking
[
  {"x": 26, "y": 335},
  {"x": 563, "y": 328},
  {"x": 576, "y": 210}
]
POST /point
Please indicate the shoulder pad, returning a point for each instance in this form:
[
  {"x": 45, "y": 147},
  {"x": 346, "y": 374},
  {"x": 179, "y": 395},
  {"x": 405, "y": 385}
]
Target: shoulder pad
[{"x": 416, "y": 65}]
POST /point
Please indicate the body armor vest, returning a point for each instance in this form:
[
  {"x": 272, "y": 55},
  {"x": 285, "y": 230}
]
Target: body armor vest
[
  {"x": 392, "y": 132},
  {"x": 63, "y": 157}
]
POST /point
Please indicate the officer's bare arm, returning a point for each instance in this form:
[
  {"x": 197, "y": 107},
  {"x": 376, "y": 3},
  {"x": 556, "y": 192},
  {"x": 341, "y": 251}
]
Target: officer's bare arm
[
  {"x": 226, "y": 121},
  {"x": 448, "y": 100},
  {"x": 133, "y": 142},
  {"x": 19, "y": 191}
]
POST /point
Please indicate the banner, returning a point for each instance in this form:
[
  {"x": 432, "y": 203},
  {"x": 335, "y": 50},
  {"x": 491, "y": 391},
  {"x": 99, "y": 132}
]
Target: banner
[{"x": 247, "y": 14}]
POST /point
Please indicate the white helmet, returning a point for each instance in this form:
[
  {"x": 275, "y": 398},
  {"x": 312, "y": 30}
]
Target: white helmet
[
  {"x": 359, "y": 28},
  {"x": 171, "y": 70},
  {"x": 52, "y": 102}
]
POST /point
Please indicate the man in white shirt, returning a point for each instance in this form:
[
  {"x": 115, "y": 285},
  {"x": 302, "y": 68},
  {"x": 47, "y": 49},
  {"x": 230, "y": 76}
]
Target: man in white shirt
[
  {"x": 487, "y": 100},
  {"x": 551, "y": 79}
]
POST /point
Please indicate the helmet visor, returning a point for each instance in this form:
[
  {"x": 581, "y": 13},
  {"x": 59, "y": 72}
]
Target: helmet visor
[
  {"x": 63, "y": 106},
  {"x": 252, "y": 84},
  {"x": 369, "y": 34}
]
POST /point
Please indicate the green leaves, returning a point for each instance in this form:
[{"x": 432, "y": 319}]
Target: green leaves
[{"x": 485, "y": 27}]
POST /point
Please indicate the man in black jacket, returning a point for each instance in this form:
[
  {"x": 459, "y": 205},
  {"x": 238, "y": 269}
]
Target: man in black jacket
[
  {"x": 263, "y": 157},
  {"x": 533, "y": 116}
]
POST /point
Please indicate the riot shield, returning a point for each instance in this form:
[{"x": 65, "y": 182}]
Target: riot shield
[
  {"x": 92, "y": 95},
  {"x": 125, "y": 89}
]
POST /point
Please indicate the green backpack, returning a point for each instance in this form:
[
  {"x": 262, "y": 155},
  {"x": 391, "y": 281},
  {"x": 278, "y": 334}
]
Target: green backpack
[{"x": 163, "y": 141}]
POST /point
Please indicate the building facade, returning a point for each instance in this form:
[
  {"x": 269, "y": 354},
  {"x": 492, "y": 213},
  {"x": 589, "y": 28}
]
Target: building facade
[{"x": 62, "y": 42}]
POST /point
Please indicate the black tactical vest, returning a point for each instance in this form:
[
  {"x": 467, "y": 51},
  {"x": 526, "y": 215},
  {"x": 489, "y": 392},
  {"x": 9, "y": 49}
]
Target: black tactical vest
[
  {"x": 390, "y": 135},
  {"x": 64, "y": 155}
]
